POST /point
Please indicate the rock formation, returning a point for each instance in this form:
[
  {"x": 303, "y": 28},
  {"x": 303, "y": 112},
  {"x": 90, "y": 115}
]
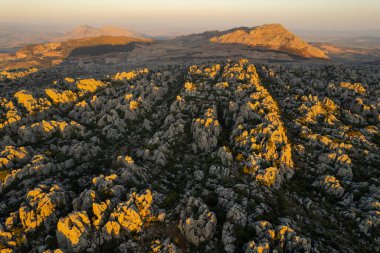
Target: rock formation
[{"x": 219, "y": 157}]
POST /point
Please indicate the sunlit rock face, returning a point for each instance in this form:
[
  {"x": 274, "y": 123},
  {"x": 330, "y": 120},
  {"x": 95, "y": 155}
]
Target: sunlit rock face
[
  {"x": 220, "y": 157},
  {"x": 206, "y": 131},
  {"x": 64, "y": 97},
  {"x": 30, "y": 103},
  {"x": 131, "y": 214},
  {"x": 73, "y": 231},
  {"x": 273, "y": 36},
  {"x": 331, "y": 185},
  {"x": 42, "y": 207},
  {"x": 46, "y": 129}
]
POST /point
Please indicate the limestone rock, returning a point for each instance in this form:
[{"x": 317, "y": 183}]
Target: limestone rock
[
  {"x": 74, "y": 231},
  {"x": 42, "y": 207},
  {"x": 237, "y": 215},
  {"x": 197, "y": 223},
  {"x": 330, "y": 185},
  {"x": 165, "y": 246}
]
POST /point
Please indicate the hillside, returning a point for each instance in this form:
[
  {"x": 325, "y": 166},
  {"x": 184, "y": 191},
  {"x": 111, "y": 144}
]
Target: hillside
[
  {"x": 14, "y": 36},
  {"x": 53, "y": 53},
  {"x": 273, "y": 36},
  {"x": 86, "y": 31}
]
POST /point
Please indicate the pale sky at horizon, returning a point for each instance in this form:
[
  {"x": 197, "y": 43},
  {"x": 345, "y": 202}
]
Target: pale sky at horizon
[{"x": 196, "y": 14}]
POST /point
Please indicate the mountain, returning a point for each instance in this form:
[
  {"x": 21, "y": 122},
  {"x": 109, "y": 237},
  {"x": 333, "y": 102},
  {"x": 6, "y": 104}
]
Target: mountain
[
  {"x": 65, "y": 48},
  {"x": 272, "y": 36},
  {"x": 366, "y": 39},
  {"x": 339, "y": 53},
  {"x": 368, "y": 42},
  {"x": 15, "y": 36},
  {"x": 85, "y": 31},
  {"x": 53, "y": 53}
]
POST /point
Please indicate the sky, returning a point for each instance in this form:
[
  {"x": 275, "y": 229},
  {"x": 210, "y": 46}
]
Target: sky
[{"x": 195, "y": 15}]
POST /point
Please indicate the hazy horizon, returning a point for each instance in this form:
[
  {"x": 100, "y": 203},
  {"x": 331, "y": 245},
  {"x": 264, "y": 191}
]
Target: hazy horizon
[{"x": 169, "y": 16}]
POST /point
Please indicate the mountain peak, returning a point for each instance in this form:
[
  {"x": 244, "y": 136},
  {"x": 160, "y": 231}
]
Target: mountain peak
[
  {"x": 273, "y": 36},
  {"x": 83, "y": 27}
]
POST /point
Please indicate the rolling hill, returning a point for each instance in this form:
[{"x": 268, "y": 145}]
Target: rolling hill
[
  {"x": 86, "y": 31},
  {"x": 53, "y": 53},
  {"x": 15, "y": 36}
]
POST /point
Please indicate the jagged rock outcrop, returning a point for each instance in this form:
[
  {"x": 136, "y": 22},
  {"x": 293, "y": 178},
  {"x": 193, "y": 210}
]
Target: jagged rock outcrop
[
  {"x": 132, "y": 213},
  {"x": 74, "y": 231},
  {"x": 206, "y": 131},
  {"x": 165, "y": 246},
  {"x": 46, "y": 129},
  {"x": 330, "y": 185},
  {"x": 84, "y": 201},
  {"x": 281, "y": 238},
  {"x": 197, "y": 223},
  {"x": 42, "y": 207}
]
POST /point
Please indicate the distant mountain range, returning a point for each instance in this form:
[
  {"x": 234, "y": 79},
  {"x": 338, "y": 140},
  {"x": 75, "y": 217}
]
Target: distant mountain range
[
  {"x": 367, "y": 39},
  {"x": 53, "y": 53},
  {"x": 13, "y": 37},
  {"x": 16, "y": 36},
  {"x": 272, "y": 41},
  {"x": 85, "y": 31}
]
